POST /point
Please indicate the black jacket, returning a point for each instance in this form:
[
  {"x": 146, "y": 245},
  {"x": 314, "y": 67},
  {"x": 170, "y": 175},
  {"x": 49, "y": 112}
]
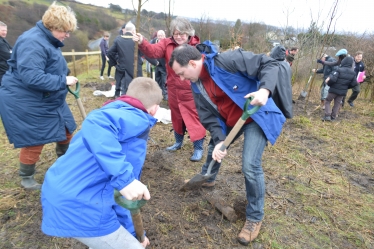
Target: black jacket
[
  {"x": 161, "y": 61},
  {"x": 5, "y": 52},
  {"x": 343, "y": 78},
  {"x": 359, "y": 67}
]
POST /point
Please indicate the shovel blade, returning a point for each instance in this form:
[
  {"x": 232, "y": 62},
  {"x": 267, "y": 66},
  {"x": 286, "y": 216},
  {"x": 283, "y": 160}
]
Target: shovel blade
[
  {"x": 302, "y": 95},
  {"x": 196, "y": 182}
]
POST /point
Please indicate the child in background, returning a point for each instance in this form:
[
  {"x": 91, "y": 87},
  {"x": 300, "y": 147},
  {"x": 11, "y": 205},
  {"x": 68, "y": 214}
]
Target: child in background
[
  {"x": 339, "y": 82},
  {"x": 106, "y": 154}
]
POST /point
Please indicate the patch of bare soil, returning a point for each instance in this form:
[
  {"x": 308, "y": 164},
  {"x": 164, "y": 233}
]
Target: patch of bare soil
[{"x": 176, "y": 219}]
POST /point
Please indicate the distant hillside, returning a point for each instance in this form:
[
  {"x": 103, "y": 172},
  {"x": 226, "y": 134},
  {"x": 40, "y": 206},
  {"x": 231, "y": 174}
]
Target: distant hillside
[{"x": 92, "y": 20}]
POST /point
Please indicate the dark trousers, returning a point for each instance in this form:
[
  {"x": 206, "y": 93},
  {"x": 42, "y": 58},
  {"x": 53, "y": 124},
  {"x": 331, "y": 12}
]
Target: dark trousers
[
  {"x": 103, "y": 59},
  {"x": 335, "y": 110},
  {"x": 122, "y": 83},
  {"x": 160, "y": 78},
  {"x": 355, "y": 92}
]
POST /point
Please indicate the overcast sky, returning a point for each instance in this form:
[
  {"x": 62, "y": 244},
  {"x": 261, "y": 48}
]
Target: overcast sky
[{"x": 351, "y": 16}]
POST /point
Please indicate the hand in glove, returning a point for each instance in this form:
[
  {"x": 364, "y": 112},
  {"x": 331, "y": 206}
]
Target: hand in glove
[{"x": 320, "y": 61}]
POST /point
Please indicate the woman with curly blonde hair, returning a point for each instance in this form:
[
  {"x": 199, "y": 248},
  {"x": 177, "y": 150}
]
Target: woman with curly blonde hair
[{"x": 32, "y": 97}]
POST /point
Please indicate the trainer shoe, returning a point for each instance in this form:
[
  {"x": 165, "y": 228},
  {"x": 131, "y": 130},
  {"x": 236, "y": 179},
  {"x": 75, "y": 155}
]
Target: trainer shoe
[
  {"x": 351, "y": 104},
  {"x": 110, "y": 77},
  {"x": 102, "y": 77},
  {"x": 249, "y": 232}
]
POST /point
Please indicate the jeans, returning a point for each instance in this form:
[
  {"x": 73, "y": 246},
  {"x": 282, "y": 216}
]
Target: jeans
[
  {"x": 355, "y": 92},
  {"x": 254, "y": 145},
  {"x": 103, "y": 60}
]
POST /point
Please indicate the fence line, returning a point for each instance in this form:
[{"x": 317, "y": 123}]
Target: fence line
[{"x": 76, "y": 69}]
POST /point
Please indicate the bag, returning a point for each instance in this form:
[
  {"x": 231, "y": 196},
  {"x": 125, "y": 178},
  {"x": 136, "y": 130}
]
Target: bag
[{"x": 360, "y": 77}]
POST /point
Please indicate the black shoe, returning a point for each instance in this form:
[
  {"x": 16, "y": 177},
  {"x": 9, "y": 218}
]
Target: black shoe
[
  {"x": 326, "y": 118},
  {"x": 351, "y": 104}
]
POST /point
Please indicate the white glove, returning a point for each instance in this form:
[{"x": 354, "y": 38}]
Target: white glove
[
  {"x": 260, "y": 97},
  {"x": 135, "y": 191},
  {"x": 71, "y": 80}
]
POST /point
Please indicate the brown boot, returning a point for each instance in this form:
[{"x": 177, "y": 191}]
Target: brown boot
[
  {"x": 249, "y": 232},
  {"x": 205, "y": 184}
]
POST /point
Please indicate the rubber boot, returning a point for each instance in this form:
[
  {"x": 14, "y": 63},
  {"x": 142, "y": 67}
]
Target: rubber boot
[
  {"x": 26, "y": 172},
  {"x": 198, "y": 150},
  {"x": 178, "y": 143},
  {"x": 61, "y": 149}
]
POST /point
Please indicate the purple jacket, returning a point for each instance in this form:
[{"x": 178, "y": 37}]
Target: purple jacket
[{"x": 104, "y": 47}]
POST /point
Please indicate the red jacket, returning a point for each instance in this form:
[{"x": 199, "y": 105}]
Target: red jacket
[{"x": 181, "y": 102}]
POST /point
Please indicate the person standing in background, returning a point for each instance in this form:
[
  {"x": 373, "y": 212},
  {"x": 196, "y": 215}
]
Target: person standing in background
[
  {"x": 160, "y": 69},
  {"x": 359, "y": 66},
  {"x": 183, "y": 110},
  {"x": 5, "y": 50},
  {"x": 104, "y": 46}
]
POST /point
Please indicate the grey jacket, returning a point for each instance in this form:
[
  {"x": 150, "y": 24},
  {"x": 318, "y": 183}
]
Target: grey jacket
[{"x": 282, "y": 95}]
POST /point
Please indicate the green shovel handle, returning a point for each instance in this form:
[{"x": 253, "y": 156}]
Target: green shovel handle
[
  {"x": 77, "y": 90},
  {"x": 133, "y": 206},
  {"x": 247, "y": 113}
]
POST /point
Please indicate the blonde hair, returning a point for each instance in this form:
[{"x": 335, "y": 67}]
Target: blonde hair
[
  {"x": 146, "y": 90},
  {"x": 59, "y": 18}
]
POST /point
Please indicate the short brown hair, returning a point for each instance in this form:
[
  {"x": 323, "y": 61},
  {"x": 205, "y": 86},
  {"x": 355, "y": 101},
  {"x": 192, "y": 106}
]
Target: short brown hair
[
  {"x": 60, "y": 18},
  {"x": 359, "y": 52},
  {"x": 146, "y": 90}
]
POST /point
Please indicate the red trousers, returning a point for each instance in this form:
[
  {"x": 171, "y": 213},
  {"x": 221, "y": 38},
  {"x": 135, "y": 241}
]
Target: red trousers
[{"x": 31, "y": 154}]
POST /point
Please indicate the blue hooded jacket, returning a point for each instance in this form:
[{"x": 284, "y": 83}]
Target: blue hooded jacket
[
  {"x": 106, "y": 154},
  {"x": 33, "y": 91}
]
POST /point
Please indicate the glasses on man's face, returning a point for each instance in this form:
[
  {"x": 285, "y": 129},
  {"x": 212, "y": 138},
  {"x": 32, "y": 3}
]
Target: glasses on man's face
[
  {"x": 179, "y": 34},
  {"x": 67, "y": 32}
]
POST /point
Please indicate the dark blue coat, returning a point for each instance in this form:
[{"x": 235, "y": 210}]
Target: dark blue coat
[{"x": 33, "y": 91}]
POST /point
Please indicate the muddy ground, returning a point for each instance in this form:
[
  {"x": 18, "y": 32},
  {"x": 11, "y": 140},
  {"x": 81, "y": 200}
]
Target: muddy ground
[{"x": 175, "y": 219}]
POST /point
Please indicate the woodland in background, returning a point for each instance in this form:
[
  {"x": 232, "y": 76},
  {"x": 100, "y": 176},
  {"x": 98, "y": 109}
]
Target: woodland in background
[{"x": 320, "y": 37}]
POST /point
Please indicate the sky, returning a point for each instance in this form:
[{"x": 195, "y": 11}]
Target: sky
[{"x": 351, "y": 15}]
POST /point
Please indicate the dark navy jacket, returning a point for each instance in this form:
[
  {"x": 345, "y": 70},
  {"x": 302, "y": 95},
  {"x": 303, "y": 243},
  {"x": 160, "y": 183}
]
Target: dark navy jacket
[{"x": 33, "y": 91}]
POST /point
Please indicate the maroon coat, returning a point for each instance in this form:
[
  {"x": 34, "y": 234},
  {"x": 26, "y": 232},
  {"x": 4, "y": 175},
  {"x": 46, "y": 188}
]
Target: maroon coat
[{"x": 181, "y": 102}]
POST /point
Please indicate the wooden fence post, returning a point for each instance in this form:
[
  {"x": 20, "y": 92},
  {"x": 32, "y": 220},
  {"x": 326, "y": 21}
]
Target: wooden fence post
[
  {"x": 75, "y": 71},
  {"x": 87, "y": 61},
  {"x": 99, "y": 61}
]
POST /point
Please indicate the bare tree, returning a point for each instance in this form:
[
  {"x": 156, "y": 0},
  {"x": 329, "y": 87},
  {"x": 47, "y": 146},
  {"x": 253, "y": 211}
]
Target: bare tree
[{"x": 140, "y": 4}]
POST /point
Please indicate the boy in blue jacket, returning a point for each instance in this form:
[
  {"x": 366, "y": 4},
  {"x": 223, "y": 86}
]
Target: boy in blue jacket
[{"x": 106, "y": 154}]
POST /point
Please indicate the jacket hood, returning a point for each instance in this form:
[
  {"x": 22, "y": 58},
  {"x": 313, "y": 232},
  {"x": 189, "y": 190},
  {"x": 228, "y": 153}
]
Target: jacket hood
[
  {"x": 53, "y": 40},
  {"x": 347, "y": 62},
  {"x": 278, "y": 53}
]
